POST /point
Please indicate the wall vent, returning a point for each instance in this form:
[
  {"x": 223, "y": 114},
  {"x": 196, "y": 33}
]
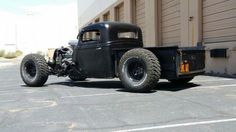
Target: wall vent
[{"x": 219, "y": 53}]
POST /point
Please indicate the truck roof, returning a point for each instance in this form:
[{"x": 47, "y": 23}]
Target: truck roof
[{"x": 110, "y": 26}]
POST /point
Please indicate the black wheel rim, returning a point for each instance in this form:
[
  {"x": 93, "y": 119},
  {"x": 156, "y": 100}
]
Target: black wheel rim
[
  {"x": 135, "y": 69},
  {"x": 30, "y": 69}
]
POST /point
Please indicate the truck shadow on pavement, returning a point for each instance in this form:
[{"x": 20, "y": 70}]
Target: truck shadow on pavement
[
  {"x": 167, "y": 86},
  {"x": 162, "y": 86}
]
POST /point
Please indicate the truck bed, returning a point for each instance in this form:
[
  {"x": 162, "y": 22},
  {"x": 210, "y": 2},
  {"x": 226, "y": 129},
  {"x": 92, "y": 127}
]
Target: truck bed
[{"x": 171, "y": 59}]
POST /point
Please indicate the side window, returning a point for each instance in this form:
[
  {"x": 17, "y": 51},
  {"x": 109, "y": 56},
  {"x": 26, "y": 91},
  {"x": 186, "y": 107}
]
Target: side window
[{"x": 91, "y": 36}]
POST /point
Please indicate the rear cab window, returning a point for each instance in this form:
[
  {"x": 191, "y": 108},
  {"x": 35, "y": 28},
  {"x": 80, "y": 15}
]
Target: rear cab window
[
  {"x": 124, "y": 34},
  {"x": 127, "y": 35}
]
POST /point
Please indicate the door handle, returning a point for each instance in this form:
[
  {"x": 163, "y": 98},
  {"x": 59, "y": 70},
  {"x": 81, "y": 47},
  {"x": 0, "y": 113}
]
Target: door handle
[{"x": 190, "y": 18}]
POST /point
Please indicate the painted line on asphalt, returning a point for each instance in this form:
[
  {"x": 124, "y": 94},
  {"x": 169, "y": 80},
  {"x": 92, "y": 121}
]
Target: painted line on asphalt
[
  {"x": 91, "y": 95},
  {"x": 45, "y": 104},
  {"x": 214, "y": 80},
  {"x": 213, "y": 87},
  {"x": 178, "y": 125}
]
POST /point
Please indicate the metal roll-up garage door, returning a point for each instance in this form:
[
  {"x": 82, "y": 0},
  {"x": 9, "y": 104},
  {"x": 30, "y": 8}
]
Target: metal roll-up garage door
[
  {"x": 170, "y": 22},
  {"x": 140, "y": 15},
  {"x": 120, "y": 13},
  {"x": 219, "y": 21},
  {"x": 106, "y": 17}
]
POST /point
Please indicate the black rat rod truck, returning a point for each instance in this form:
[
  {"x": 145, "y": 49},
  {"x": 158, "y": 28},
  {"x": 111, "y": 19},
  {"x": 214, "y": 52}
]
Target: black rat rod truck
[{"x": 110, "y": 50}]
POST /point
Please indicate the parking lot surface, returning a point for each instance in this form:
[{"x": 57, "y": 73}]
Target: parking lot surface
[{"x": 207, "y": 104}]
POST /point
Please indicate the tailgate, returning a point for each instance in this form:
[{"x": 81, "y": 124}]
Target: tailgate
[{"x": 192, "y": 60}]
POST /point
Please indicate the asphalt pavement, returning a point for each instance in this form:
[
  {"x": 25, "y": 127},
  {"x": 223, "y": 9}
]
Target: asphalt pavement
[{"x": 206, "y": 104}]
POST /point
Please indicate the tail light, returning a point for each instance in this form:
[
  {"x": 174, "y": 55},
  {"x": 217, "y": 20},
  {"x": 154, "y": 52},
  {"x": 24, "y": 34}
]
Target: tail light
[{"x": 184, "y": 67}]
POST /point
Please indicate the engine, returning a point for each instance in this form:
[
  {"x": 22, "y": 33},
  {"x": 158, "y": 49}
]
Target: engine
[{"x": 61, "y": 63}]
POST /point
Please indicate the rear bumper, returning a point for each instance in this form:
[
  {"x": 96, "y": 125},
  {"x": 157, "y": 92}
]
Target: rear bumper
[{"x": 191, "y": 74}]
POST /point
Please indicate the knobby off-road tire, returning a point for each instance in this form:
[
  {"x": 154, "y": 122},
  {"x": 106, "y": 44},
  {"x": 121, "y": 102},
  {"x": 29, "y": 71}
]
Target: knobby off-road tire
[
  {"x": 139, "y": 70},
  {"x": 181, "y": 81},
  {"x": 34, "y": 70}
]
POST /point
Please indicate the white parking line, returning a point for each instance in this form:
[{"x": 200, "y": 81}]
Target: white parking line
[
  {"x": 214, "y": 80},
  {"x": 178, "y": 125},
  {"x": 217, "y": 86},
  {"x": 44, "y": 103},
  {"x": 91, "y": 95}
]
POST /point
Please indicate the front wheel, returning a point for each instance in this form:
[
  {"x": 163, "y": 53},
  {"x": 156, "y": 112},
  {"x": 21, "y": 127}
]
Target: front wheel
[
  {"x": 139, "y": 70},
  {"x": 34, "y": 70}
]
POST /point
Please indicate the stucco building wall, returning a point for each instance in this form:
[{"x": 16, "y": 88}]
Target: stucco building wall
[{"x": 185, "y": 23}]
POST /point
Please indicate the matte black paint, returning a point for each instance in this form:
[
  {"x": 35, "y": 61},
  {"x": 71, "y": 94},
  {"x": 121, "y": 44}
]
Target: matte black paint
[{"x": 101, "y": 59}]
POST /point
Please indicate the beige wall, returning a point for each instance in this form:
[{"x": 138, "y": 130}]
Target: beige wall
[
  {"x": 223, "y": 66},
  {"x": 93, "y": 10},
  {"x": 185, "y": 23},
  {"x": 219, "y": 31}
]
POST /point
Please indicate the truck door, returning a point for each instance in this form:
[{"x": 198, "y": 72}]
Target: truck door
[{"x": 90, "y": 55}]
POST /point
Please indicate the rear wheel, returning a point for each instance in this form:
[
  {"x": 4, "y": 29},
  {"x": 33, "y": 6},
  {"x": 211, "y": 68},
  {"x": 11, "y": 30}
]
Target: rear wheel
[
  {"x": 181, "y": 81},
  {"x": 34, "y": 70},
  {"x": 139, "y": 70}
]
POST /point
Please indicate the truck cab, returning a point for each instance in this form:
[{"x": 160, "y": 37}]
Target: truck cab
[{"x": 94, "y": 54}]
